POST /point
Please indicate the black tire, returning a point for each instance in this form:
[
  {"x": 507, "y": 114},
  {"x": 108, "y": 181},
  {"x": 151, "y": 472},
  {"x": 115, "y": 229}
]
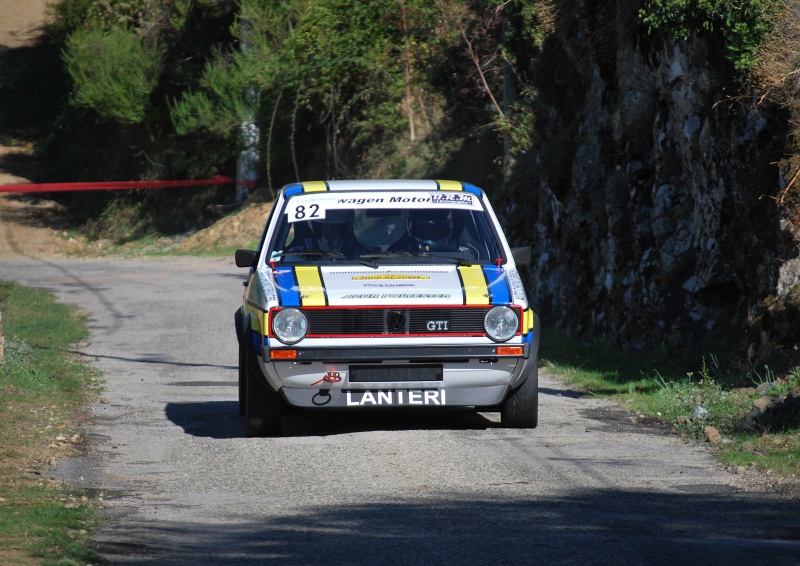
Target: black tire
[
  {"x": 242, "y": 380},
  {"x": 521, "y": 407},
  {"x": 263, "y": 408}
]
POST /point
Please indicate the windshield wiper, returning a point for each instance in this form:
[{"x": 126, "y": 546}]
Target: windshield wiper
[
  {"x": 420, "y": 253},
  {"x": 330, "y": 254},
  {"x": 323, "y": 253}
]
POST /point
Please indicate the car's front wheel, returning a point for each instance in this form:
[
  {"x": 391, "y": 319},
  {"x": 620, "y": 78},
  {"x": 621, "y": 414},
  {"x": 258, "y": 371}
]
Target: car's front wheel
[
  {"x": 263, "y": 407},
  {"x": 521, "y": 407}
]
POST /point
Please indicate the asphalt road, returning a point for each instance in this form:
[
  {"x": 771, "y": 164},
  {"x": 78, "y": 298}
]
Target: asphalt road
[{"x": 182, "y": 485}]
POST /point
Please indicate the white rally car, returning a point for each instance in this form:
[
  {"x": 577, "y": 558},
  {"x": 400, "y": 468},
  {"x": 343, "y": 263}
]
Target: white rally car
[{"x": 385, "y": 293}]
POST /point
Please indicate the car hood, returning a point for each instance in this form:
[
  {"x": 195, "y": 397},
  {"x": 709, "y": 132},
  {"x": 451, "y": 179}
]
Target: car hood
[{"x": 419, "y": 285}]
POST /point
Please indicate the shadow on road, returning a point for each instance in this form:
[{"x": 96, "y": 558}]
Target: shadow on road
[
  {"x": 213, "y": 419},
  {"x": 221, "y": 419},
  {"x": 592, "y": 527}
]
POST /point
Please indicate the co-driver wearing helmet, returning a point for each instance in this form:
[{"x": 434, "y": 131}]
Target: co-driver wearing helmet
[{"x": 428, "y": 230}]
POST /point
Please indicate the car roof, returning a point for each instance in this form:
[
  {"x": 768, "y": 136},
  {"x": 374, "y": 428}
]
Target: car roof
[{"x": 380, "y": 185}]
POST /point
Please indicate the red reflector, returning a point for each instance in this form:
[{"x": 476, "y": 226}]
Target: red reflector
[
  {"x": 282, "y": 354},
  {"x": 509, "y": 350}
]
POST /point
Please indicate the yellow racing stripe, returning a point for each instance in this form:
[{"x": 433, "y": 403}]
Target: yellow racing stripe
[
  {"x": 450, "y": 186},
  {"x": 314, "y": 186},
  {"x": 475, "y": 290},
  {"x": 312, "y": 293}
]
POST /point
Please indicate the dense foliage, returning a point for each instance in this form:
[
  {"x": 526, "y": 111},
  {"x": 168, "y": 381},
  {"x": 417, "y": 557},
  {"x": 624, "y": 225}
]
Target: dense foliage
[
  {"x": 743, "y": 26},
  {"x": 336, "y": 87}
]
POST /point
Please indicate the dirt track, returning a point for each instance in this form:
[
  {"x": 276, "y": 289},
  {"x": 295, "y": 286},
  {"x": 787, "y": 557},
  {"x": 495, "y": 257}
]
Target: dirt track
[{"x": 26, "y": 224}]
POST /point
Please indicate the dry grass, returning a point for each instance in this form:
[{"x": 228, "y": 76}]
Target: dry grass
[{"x": 777, "y": 73}]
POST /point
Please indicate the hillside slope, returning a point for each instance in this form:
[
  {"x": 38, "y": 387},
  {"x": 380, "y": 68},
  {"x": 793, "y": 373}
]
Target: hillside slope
[{"x": 34, "y": 227}]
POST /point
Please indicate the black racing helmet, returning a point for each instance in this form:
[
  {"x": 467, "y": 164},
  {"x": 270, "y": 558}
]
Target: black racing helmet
[
  {"x": 430, "y": 226},
  {"x": 332, "y": 229}
]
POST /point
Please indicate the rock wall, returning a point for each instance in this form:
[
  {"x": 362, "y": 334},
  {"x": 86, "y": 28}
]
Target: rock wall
[{"x": 649, "y": 197}]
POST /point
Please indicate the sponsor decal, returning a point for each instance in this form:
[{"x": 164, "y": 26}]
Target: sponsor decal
[
  {"x": 389, "y": 285},
  {"x": 314, "y": 203},
  {"x": 415, "y": 296},
  {"x": 464, "y": 199},
  {"x": 517, "y": 288},
  {"x": 397, "y": 296},
  {"x": 410, "y": 199},
  {"x": 361, "y": 201},
  {"x": 389, "y": 276},
  {"x": 270, "y": 295},
  {"x": 395, "y": 397}
]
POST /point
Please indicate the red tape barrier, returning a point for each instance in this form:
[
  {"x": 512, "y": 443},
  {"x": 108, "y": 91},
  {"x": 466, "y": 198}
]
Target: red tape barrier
[{"x": 110, "y": 185}]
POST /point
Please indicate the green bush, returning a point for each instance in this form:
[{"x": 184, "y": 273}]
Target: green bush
[{"x": 113, "y": 73}]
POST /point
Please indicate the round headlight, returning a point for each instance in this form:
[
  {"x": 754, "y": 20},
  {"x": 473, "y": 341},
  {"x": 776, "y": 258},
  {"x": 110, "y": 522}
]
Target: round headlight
[
  {"x": 501, "y": 323},
  {"x": 290, "y": 325}
]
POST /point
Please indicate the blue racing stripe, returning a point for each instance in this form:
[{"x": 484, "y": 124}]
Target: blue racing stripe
[
  {"x": 497, "y": 283},
  {"x": 472, "y": 189},
  {"x": 288, "y": 290},
  {"x": 292, "y": 189}
]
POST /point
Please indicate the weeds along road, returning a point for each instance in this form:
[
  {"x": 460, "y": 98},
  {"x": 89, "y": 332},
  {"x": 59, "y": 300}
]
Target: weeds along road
[{"x": 182, "y": 485}]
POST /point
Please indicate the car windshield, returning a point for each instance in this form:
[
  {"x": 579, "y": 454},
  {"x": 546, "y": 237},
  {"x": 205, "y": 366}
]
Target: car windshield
[{"x": 383, "y": 228}]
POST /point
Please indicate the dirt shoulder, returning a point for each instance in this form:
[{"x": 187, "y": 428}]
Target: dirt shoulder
[{"x": 22, "y": 230}]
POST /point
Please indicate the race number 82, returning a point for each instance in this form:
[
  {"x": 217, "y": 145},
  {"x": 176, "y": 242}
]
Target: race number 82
[{"x": 310, "y": 212}]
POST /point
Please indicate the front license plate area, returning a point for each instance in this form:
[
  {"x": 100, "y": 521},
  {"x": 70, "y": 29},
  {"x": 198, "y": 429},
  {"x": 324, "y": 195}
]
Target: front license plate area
[{"x": 383, "y": 373}]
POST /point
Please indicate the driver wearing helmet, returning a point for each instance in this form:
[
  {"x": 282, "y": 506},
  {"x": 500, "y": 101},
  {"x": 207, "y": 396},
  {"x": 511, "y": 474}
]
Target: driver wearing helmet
[
  {"x": 428, "y": 230},
  {"x": 334, "y": 233}
]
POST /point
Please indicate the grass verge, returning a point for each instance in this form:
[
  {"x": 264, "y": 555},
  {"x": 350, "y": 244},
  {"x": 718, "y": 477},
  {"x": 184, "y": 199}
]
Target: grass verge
[
  {"x": 43, "y": 392},
  {"x": 693, "y": 390}
]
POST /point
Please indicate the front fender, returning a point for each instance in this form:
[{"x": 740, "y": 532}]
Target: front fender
[
  {"x": 252, "y": 348},
  {"x": 530, "y": 364}
]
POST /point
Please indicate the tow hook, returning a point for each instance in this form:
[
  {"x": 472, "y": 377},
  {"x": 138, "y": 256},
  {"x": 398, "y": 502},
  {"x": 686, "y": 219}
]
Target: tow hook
[{"x": 330, "y": 377}]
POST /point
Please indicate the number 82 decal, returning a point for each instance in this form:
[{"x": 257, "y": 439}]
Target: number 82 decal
[{"x": 302, "y": 212}]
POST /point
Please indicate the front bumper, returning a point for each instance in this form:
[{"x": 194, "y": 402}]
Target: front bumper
[
  {"x": 472, "y": 375},
  {"x": 401, "y": 397}
]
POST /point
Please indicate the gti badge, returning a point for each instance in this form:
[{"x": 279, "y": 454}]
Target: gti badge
[{"x": 437, "y": 325}]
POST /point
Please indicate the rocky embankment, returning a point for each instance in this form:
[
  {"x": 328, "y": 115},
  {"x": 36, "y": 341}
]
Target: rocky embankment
[{"x": 654, "y": 216}]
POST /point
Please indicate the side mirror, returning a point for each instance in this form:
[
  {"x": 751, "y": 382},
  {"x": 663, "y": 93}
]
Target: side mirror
[
  {"x": 522, "y": 256},
  {"x": 245, "y": 258}
]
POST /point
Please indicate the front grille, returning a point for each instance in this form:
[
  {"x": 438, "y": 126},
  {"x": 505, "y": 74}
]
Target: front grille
[{"x": 395, "y": 321}]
